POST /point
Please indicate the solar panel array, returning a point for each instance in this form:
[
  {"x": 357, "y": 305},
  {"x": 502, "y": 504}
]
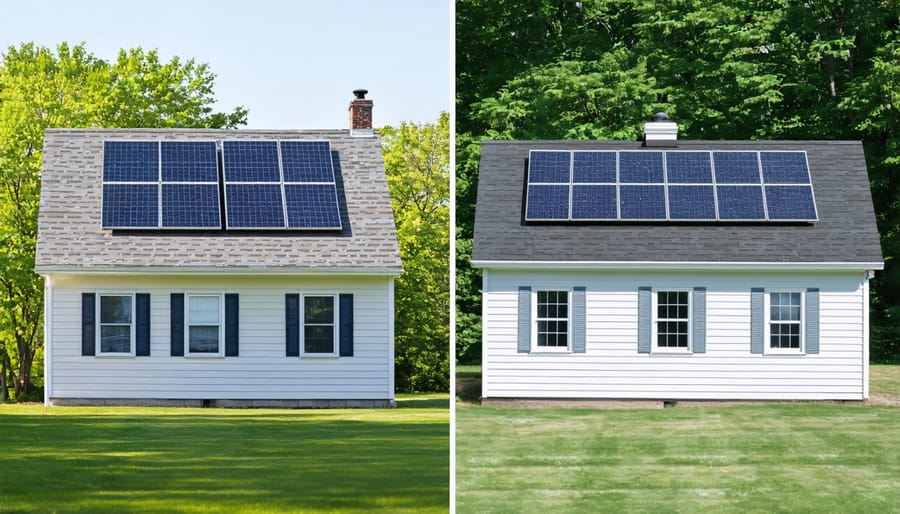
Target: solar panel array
[
  {"x": 690, "y": 186},
  {"x": 175, "y": 185}
]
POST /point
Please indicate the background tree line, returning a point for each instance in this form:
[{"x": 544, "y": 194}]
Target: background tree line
[
  {"x": 68, "y": 87},
  {"x": 734, "y": 69}
]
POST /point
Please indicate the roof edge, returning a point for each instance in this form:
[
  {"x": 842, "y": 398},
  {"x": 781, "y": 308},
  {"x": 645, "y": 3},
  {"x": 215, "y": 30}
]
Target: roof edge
[
  {"x": 143, "y": 270},
  {"x": 705, "y": 142},
  {"x": 663, "y": 265}
]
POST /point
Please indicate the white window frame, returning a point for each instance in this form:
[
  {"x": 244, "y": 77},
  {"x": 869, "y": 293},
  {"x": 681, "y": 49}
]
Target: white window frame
[
  {"x": 654, "y": 325},
  {"x": 767, "y": 329},
  {"x": 336, "y": 322},
  {"x": 535, "y": 348},
  {"x": 187, "y": 326},
  {"x": 98, "y": 352}
]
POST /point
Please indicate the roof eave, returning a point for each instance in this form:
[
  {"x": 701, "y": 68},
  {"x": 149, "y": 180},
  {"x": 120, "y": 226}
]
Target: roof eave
[
  {"x": 143, "y": 270},
  {"x": 662, "y": 265}
]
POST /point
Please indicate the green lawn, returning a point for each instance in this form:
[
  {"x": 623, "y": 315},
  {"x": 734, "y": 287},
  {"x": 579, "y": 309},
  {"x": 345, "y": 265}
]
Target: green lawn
[
  {"x": 468, "y": 371},
  {"x": 790, "y": 457},
  {"x": 124, "y": 459}
]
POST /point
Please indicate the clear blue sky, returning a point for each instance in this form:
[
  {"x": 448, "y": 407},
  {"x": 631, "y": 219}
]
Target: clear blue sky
[{"x": 293, "y": 64}]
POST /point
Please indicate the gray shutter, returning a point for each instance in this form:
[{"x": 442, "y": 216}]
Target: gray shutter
[
  {"x": 346, "y": 325},
  {"x": 142, "y": 325},
  {"x": 812, "y": 320},
  {"x": 524, "y": 345},
  {"x": 88, "y": 323},
  {"x": 232, "y": 324},
  {"x": 698, "y": 320},
  {"x": 757, "y": 318},
  {"x": 176, "y": 324},
  {"x": 578, "y": 320},
  {"x": 292, "y": 325},
  {"x": 645, "y": 305}
]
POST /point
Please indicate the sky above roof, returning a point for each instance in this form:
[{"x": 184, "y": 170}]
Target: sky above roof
[{"x": 293, "y": 64}]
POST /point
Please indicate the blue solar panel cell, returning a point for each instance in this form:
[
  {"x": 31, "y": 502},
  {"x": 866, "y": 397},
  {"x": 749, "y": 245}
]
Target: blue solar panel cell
[
  {"x": 688, "y": 168},
  {"x": 642, "y": 202},
  {"x": 190, "y": 206},
  {"x": 251, "y": 161},
  {"x": 594, "y": 167},
  {"x": 641, "y": 167},
  {"x": 307, "y": 161},
  {"x": 692, "y": 203},
  {"x": 312, "y": 206},
  {"x": 193, "y": 161},
  {"x": 130, "y": 161},
  {"x": 254, "y": 206},
  {"x": 736, "y": 167},
  {"x": 547, "y": 202},
  {"x": 550, "y": 167},
  {"x": 786, "y": 203},
  {"x": 594, "y": 202},
  {"x": 742, "y": 203},
  {"x": 784, "y": 167},
  {"x": 130, "y": 205}
]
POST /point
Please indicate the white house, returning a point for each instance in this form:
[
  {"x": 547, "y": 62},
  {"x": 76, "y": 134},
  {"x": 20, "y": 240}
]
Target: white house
[
  {"x": 218, "y": 267},
  {"x": 675, "y": 270}
]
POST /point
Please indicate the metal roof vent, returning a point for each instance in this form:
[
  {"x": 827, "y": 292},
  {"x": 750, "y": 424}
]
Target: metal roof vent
[{"x": 660, "y": 132}]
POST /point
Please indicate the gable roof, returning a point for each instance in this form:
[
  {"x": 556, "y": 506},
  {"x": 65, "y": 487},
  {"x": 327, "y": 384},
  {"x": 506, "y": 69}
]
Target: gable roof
[
  {"x": 845, "y": 235},
  {"x": 70, "y": 237}
]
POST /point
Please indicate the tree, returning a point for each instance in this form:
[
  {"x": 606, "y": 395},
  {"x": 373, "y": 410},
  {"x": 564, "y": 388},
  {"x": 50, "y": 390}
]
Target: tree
[
  {"x": 40, "y": 89},
  {"x": 417, "y": 162}
]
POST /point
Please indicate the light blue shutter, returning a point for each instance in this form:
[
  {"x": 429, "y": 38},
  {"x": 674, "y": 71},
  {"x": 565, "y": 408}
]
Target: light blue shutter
[
  {"x": 644, "y": 319},
  {"x": 812, "y": 320},
  {"x": 524, "y": 319},
  {"x": 578, "y": 320},
  {"x": 698, "y": 319},
  {"x": 757, "y": 318}
]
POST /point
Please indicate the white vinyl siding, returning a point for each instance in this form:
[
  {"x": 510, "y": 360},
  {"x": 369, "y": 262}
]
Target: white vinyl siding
[
  {"x": 262, "y": 371},
  {"x": 611, "y": 366}
]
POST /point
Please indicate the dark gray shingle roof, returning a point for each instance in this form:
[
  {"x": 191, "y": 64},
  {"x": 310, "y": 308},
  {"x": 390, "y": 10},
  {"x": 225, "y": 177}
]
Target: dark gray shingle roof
[
  {"x": 845, "y": 233},
  {"x": 70, "y": 237}
]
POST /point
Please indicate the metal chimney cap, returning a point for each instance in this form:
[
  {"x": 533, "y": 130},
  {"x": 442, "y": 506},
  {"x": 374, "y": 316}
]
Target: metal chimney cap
[
  {"x": 660, "y": 116},
  {"x": 360, "y": 93}
]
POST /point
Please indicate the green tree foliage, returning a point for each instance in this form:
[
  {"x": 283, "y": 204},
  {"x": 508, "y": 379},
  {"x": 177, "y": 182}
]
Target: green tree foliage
[
  {"x": 417, "y": 162},
  {"x": 768, "y": 69},
  {"x": 41, "y": 88}
]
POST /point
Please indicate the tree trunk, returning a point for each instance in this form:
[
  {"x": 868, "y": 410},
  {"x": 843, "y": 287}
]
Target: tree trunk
[
  {"x": 4, "y": 396},
  {"x": 26, "y": 358}
]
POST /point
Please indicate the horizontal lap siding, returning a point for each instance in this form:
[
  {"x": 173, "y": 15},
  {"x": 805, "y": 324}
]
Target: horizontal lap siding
[
  {"x": 261, "y": 371},
  {"x": 612, "y": 367}
]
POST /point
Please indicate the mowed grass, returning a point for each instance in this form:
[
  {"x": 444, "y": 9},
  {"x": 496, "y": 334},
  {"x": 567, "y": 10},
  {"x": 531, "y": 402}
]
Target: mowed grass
[
  {"x": 126, "y": 459},
  {"x": 788, "y": 457}
]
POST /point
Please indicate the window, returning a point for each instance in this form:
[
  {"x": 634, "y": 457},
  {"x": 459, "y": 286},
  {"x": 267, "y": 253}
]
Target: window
[
  {"x": 319, "y": 328},
  {"x": 552, "y": 320},
  {"x": 116, "y": 327},
  {"x": 673, "y": 321},
  {"x": 785, "y": 329},
  {"x": 204, "y": 325}
]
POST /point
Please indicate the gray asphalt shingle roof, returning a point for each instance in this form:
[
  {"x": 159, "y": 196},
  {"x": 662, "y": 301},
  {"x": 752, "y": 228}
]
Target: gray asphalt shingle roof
[
  {"x": 845, "y": 233},
  {"x": 70, "y": 237}
]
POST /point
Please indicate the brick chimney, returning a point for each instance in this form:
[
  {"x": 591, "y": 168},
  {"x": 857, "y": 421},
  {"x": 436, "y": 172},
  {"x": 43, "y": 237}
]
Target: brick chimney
[{"x": 361, "y": 114}]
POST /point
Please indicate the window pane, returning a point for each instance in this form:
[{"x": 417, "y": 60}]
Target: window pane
[
  {"x": 795, "y": 313},
  {"x": 203, "y": 309},
  {"x": 542, "y": 296},
  {"x": 542, "y": 311},
  {"x": 204, "y": 339},
  {"x": 318, "y": 339},
  {"x": 115, "y": 338},
  {"x": 115, "y": 309},
  {"x": 795, "y": 299},
  {"x": 318, "y": 309}
]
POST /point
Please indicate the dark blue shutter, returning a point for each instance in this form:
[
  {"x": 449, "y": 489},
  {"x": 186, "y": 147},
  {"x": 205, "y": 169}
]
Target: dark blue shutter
[
  {"x": 88, "y": 323},
  {"x": 142, "y": 325},
  {"x": 698, "y": 319},
  {"x": 292, "y": 325},
  {"x": 645, "y": 305},
  {"x": 812, "y": 320},
  {"x": 524, "y": 335},
  {"x": 176, "y": 323},
  {"x": 346, "y": 326},
  {"x": 578, "y": 320},
  {"x": 232, "y": 326},
  {"x": 757, "y": 319}
]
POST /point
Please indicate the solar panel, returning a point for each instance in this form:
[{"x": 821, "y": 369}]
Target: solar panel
[
  {"x": 784, "y": 167},
  {"x": 548, "y": 166},
  {"x": 251, "y": 161},
  {"x": 692, "y": 203},
  {"x": 254, "y": 206},
  {"x": 688, "y": 168},
  {"x": 641, "y": 167},
  {"x": 189, "y": 161},
  {"x": 130, "y": 205},
  {"x": 642, "y": 202},
  {"x": 547, "y": 202},
  {"x": 190, "y": 206},
  {"x": 740, "y": 203},
  {"x": 307, "y": 161},
  {"x": 790, "y": 203},
  {"x": 736, "y": 167},
  {"x": 594, "y": 167},
  {"x": 130, "y": 161},
  {"x": 594, "y": 202},
  {"x": 312, "y": 206}
]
